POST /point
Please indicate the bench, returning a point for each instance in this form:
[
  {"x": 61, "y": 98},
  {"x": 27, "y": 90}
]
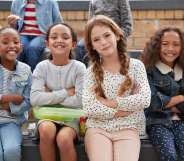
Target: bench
[{"x": 30, "y": 151}]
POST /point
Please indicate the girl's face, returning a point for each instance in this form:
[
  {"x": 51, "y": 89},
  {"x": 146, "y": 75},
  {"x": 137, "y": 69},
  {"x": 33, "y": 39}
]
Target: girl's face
[
  {"x": 60, "y": 40},
  {"x": 104, "y": 40},
  {"x": 10, "y": 45},
  {"x": 170, "y": 48}
]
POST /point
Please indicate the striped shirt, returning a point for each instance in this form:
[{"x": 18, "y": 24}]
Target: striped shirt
[
  {"x": 6, "y": 80},
  {"x": 5, "y": 116},
  {"x": 30, "y": 22}
]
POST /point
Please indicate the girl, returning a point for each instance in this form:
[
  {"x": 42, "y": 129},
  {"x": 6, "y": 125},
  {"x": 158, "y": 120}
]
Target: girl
[
  {"x": 163, "y": 58},
  {"x": 114, "y": 96},
  {"x": 64, "y": 88},
  {"x": 15, "y": 85}
]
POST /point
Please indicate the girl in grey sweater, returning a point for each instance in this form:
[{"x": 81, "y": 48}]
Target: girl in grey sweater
[{"x": 58, "y": 81}]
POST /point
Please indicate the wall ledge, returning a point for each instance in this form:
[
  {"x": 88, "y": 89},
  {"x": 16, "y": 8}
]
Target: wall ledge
[{"x": 82, "y": 5}]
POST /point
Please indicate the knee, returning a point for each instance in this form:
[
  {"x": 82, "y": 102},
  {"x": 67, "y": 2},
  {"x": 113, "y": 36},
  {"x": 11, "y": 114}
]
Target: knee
[
  {"x": 64, "y": 142},
  {"x": 12, "y": 153},
  {"x": 36, "y": 44},
  {"x": 35, "y": 47},
  {"x": 47, "y": 131}
]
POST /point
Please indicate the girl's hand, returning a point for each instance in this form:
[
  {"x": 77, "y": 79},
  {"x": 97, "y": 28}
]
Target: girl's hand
[
  {"x": 71, "y": 91},
  {"x": 14, "y": 98},
  {"x": 5, "y": 106},
  {"x": 174, "y": 110},
  {"x": 12, "y": 20},
  {"x": 121, "y": 113},
  {"x": 182, "y": 98},
  {"x": 47, "y": 89},
  {"x": 17, "y": 99},
  {"x": 107, "y": 102}
]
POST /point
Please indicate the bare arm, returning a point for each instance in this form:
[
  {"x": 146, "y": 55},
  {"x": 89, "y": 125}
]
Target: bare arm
[{"x": 175, "y": 100}]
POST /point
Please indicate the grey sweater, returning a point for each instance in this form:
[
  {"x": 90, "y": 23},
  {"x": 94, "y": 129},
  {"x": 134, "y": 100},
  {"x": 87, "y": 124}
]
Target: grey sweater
[
  {"x": 57, "y": 79},
  {"x": 118, "y": 10}
]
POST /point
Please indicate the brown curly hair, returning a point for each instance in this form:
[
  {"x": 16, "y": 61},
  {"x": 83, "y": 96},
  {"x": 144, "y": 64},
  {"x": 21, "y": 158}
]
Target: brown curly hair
[
  {"x": 95, "y": 57},
  {"x": 151, "y": 53}
]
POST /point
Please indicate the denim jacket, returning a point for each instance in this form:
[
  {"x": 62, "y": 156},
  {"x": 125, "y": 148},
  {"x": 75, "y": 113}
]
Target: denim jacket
[
  {"x": 47, "y": 13},
  {"x": 165, "y": 83},
  {"x": 21, "y": 81}
]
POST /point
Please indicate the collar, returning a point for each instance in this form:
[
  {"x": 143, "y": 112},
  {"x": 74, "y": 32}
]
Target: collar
[
  {"x": 16, "y": 72},
  {"x": 39, "y": 1},
  {"x": 165, "y": 69}
]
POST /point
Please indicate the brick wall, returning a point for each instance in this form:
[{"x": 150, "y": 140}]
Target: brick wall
[{"x": 145, "y": 23}]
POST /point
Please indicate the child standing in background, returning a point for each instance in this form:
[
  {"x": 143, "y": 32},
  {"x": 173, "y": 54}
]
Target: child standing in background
[
  {"x": 117, "y": 10},
  {"x": 32, "y": 18},
  {"x": 58, "y": 80},
  {"x": 15, "y": 86},
  {"x": 114, "y": 96},
  {"x": 164, "y": 61}
]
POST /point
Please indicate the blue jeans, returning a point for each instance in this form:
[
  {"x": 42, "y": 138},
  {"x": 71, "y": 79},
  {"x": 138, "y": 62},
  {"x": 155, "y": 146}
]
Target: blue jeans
[
  {"x": 33, "y": 47},
  {"x": 81, "y": 52},
  {"x": 10, "y": 138}
]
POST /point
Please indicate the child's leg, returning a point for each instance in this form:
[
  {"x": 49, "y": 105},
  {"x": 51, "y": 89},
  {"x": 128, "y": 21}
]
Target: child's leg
[
  {"x": 65, "y": 142},
  {"x": 1, "y": 150},
  {"x": 11, "y": 138},
  {"x": 98, "y": 145},
  {"x": 34, "y": 51},
  {"x": 178, "y": 128},
  {"x": 163, "y": 139},
  {"x": 47, "y": 131},
  {"x": 126, "y": 142},
  {"x": 25, "y": 42}
]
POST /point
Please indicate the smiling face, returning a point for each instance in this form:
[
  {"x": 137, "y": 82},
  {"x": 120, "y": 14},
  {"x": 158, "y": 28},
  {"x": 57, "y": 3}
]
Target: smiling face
[
  {"x": 10, "y": 45},
  {"x": 104, "y": 40},
  {"x": 60, "y": 40},
  {"x": 170, "y": 48}
]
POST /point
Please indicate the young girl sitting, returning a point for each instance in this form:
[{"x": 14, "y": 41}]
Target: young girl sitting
[
  {"x": 163, "y": 58},
  {"x": 115, "y": 93},
  {"x": 58, "y": 81},
  {"x": 15, "y": 85}
]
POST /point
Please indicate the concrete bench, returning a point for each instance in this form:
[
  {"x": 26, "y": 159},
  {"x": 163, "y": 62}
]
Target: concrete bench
[{"x": 30, "y": 151}]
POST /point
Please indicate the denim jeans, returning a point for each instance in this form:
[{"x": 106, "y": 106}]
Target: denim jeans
[
  {"x": 80, "y": 52},
  {"x": 33, "y": 47},
  {"x": 11, "y": 138}
]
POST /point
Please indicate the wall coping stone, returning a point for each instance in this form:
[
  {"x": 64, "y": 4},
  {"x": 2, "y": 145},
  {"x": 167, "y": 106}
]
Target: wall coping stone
[{"x": 82, "y": 5}]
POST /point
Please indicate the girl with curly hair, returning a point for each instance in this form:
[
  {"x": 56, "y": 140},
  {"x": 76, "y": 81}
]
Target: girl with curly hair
[
  {"x": 115, "y": 92},
  {"x": 163, "y": 58}
]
